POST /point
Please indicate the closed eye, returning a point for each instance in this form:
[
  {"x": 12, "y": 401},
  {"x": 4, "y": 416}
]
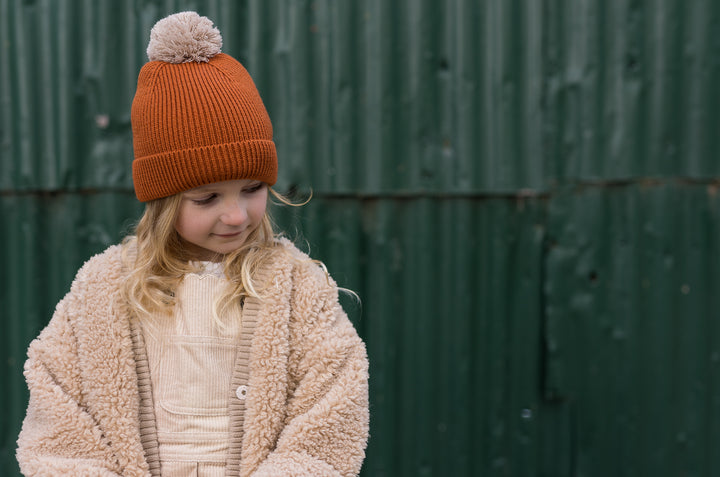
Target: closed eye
[
  {"x": 254, "y": 188},
  {"x": 205, "y": 200}
]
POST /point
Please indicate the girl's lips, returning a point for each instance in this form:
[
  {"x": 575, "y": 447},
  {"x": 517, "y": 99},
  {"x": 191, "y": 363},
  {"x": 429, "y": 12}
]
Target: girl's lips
[{"x": 234, "y": 234}]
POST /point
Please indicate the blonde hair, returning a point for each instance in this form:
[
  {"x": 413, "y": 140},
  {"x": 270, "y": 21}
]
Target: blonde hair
[{"x": 157, "y": 261}]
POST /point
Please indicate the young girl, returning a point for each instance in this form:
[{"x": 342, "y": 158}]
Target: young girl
[{"x": 204, "y": 345}]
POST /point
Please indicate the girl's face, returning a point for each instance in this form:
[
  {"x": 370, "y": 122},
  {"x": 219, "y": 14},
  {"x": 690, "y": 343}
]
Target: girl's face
[{"x": 216, "y": 219}]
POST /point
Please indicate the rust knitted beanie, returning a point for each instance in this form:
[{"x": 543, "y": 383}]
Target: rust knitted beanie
[{"x": 197, "y": 117}]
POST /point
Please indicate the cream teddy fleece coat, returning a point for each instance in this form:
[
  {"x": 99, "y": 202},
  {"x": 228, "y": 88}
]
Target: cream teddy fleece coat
[{"x": 305, "y": 368}]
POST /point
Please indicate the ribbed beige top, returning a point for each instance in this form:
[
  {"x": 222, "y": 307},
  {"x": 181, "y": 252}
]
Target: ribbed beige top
[{"x": 191, "y": 361}]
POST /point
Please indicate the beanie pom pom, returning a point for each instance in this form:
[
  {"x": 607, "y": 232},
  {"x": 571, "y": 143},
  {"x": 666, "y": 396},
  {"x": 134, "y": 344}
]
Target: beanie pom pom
[{"x": 184, "y": 37}]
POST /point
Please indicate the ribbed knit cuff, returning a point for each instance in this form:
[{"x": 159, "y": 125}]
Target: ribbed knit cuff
[{"x": 165, "y": 174}]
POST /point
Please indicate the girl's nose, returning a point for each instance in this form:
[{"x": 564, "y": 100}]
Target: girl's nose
[{"x": 235, "y": 213}]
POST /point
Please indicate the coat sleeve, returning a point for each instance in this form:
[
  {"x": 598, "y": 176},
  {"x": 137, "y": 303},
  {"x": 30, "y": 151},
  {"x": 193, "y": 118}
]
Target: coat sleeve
[
  {"x": 59, "y": 436},
  {"x": 327, "y": 422}
]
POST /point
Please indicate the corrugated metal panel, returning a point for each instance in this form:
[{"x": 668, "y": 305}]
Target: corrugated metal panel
[
  {"x": 632, "y": 334},
  {"x": 387, "y": 96},
  {"x": 405, "y": 96},
  {"x": 631, "y": 88}
]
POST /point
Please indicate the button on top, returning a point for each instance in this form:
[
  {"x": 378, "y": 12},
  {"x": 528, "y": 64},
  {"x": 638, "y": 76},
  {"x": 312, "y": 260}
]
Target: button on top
[{"x": 241, "y": 392}]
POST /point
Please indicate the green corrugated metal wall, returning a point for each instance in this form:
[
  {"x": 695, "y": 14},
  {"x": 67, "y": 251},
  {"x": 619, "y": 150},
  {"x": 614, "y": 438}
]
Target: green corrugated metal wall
[{"x": 524, "y": 193}]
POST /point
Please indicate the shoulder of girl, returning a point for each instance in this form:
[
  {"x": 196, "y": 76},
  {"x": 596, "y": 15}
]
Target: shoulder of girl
[
  {"x": 104, "y": 264},
  {"x": 304, "y": 265}
]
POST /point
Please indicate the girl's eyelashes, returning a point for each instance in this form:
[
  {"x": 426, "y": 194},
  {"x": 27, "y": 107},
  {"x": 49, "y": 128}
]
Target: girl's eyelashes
[
  {"x": 254, "y": 188},
  {"x": 204, "y": 200},
  {"x": 211, "y": 196}
]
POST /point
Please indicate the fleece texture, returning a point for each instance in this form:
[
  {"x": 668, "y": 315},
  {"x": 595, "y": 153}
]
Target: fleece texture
[{"x": 306, "y": 408}]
